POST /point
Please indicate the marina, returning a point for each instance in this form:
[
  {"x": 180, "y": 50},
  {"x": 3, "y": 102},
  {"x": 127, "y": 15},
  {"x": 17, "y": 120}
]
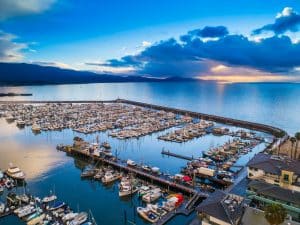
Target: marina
[{"x": 107, "y": 167}]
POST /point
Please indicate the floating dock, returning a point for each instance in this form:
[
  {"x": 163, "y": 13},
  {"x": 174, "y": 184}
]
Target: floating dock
[{"x": 168, "y": 153}]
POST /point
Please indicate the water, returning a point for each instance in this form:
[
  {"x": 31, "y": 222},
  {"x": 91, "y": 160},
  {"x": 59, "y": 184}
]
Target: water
[{"x": 274, "y": 104}]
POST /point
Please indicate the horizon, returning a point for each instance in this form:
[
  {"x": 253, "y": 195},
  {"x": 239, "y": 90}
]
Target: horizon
[{"x": 230, "y": 43}]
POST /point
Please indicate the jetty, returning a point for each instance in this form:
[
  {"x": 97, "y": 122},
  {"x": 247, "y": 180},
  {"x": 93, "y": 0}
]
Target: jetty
[{"x": 168, "y": 153}]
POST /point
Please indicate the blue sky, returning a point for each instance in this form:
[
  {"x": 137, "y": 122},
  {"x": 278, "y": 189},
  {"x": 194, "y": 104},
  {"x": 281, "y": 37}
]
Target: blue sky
[{"x": 73, "y": 33}]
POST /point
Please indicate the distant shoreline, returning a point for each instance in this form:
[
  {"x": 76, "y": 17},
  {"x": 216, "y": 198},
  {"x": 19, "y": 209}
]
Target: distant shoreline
[{"x": 11, "y": 94}]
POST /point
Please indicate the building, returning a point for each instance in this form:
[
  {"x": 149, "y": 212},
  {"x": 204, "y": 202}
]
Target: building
[
  {"x": 221, "y": 209},
  {"x": 276, "y": 170},
  {"x": 262, "y": 193}
]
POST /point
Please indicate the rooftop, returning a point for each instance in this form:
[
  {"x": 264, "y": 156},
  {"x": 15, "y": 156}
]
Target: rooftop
[{"x": 274, "y": 164}]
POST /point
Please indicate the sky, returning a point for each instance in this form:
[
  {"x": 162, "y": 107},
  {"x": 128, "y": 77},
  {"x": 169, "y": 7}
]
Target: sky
[{"x": 234, "y": 41}]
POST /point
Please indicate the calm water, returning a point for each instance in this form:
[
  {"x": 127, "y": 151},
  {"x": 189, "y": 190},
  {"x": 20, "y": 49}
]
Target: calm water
[{"x": 274, "y": 104}]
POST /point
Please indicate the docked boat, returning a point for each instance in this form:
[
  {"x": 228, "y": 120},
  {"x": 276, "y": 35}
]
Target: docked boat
[
  {"x": 127, "y": 189},
  {"x": 152, "y": 195},
  {"x": 48, "y": 199},
  {"x": 1, "y": 189},
  {"x": 15, "y": 173},
  {"x": 1, "y": 174},
  {"x": 143, "y": 190},
  {"x": 57, "y": 205},
  {"x": 147, "y": 214},
  {"x": 28, "y": 211},
  {"x": 173, "y": 201},
  {"x": 106, "y": 145},
  {"x": 99, "y": 175},
  {"x": 34, "y": 215},
  {"x": 110, "y": 177},
  {"x": 2, "y": 207},
  {"x": 69, "y": 216},
  {"x": 79, "y": 219},
  {"x": 131, "y": 162},
  {"x": 10, "y": 119},
  {"x": 37, "y": 220},
  {"x": 157, "y": 209},
  {"x": 88, "y": 173},
  {"x": 21, "y": 123},
  {"x": 36, "y": 128}
]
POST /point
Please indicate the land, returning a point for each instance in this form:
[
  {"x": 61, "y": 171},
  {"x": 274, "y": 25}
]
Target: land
[
  {"x": 31, "y": 74},
  {"x": 11, "y": 94},
  {"x": 285, "y": 149}
]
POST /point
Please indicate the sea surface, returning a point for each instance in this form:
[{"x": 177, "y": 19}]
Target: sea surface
[{"x": 47, "y": 169}]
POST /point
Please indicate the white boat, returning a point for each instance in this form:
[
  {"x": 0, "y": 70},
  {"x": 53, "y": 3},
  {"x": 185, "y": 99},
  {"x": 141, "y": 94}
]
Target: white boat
[
  {"x": 147, "y": 214},
  {"x": 26, "y": 212},
  {"x": 69, "y": 216},
  {"x": 110, "y": 177},
  {"x": 144, "y": 190},
  {"x": 20, "y": 123},
  {"x": 131, "y": 162},
  {"x": 155, "y": 169},
  {"x": 48, "y": 199},
  {"x": 127, "y": 189},
  {"x": 15, "y": 172},
  {"x": 36, "y": 128},
  {"x": 1, "y": 174},
  {"x": 2, "y": 207},
  {"x": 79, "y": 219},
  {"x": 152, "y": 195}
]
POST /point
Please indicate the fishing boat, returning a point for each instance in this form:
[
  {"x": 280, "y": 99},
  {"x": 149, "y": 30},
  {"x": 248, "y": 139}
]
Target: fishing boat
[
  {"x": 143, "y": 190},
  {"x": 152, "y": 195},
  {"x": 49, "y": 198},
  {"x": 173, "y": 201},
  {"x": 79, "y": 219},
  {"x": 88, "y": 173},
  {"x": 147, "y": 214},
  {"x": 57, "y": 205},
  {"x": 126, "y": 189},
  {"x": 110, "y": 177},
  {"x": 15, "y": 173}
]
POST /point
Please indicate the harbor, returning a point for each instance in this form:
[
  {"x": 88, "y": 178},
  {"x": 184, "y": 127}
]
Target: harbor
[{"x": 96, "y": 135}]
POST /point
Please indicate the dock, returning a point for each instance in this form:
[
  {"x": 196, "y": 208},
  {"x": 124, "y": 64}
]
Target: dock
[
  {"x": 168, "y": 153},
  {"x": 157, "y": 179}
]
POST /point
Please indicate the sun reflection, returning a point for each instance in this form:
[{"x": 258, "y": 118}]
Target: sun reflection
[{"x": 249, "y": 78}]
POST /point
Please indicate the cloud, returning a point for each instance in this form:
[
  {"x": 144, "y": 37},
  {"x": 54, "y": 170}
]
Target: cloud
[
  {"x": 210, "y": 32},
  {"x": 10, "y": 51},
  {"x": 193, "y": 56},
  {"x": 54, "y": 64},
  {"x": 13, "y": 8},
  {"x": 146, "y": 44},
  {"x": 287, "y": 20}
]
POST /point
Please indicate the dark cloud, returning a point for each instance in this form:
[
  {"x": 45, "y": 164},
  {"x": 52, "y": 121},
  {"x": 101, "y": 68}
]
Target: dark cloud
[
  {"x": 210, "y": 32},
  {"x": 287, "y": 20}
]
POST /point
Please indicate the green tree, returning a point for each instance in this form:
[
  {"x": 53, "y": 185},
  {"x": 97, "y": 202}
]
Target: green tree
[
  {"x": 275, "y": 214},
  {"x": 297, "y": 136},
  {"x": 293, "y": 141}
]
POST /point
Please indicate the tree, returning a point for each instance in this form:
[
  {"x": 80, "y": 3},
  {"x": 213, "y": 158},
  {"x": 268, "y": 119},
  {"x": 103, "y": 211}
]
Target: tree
[
  {"x": 275, "y": 214},
  {"x": 293, "y": 141},
  {"x": 297, "y": 136}
]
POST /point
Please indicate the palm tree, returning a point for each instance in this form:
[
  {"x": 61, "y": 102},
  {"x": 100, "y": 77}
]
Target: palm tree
[
  {"x": 275, "y": 214},
  {"x": 293, "y": 141},
  {"x": 297, "y": 136}
]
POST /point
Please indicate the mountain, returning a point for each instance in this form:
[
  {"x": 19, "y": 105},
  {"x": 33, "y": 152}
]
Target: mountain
[{"x": 32, "y": 74}]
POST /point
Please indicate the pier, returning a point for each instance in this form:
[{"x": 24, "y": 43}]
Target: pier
[
  {"x": 168, "y": 153},
  {"x": 161, "y": 180}
]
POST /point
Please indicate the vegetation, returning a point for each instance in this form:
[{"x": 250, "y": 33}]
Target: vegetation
[
  {"x": 297, "y": 136},
  {"x": 275, "y": 214}
]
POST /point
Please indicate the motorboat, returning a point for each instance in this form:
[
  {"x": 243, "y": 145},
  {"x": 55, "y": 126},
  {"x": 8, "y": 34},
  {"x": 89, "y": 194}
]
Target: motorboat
[
  {"x": 2, "y": 207},
  {"x": 37, "y": 220},
  {"x": 49, "y": 198},
  {"x": 36, "y": 128},
  {"x": 88, "y": 173},
  {"x": 79, "y": 219},
  {"x": 57, "y": 205},
  {"x": 147, "y": 214},
  {"x": 69, "y": 216},
  {"x": 152, "y": 195},
  {"x": 131, "y": 162},
  {"x": 21, "y": 123},
  {"x": 110, "y": 177},
  {"x": 15, "y": 173},
  {"x": 143, "y": 190}
]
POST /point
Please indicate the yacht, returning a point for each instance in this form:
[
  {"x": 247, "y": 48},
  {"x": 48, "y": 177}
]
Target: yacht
[
  {"x": 57, "y": 205},
  {"x": 152, "y": 196},
  {"x": 15, "y": 173},
  {"x": 48, "y": 199},
  {"x": 147, "y": 214},
  {"x": 36, "y": 128},
  {"x": 110, "y": 177},
  {"x": 79, "y": 219},
  {"x": 69, "y": 216}
]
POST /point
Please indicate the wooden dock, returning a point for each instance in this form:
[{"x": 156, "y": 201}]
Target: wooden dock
[
  {"x": 168, "y": 153},
  {"x": 157, "y": 179}
]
